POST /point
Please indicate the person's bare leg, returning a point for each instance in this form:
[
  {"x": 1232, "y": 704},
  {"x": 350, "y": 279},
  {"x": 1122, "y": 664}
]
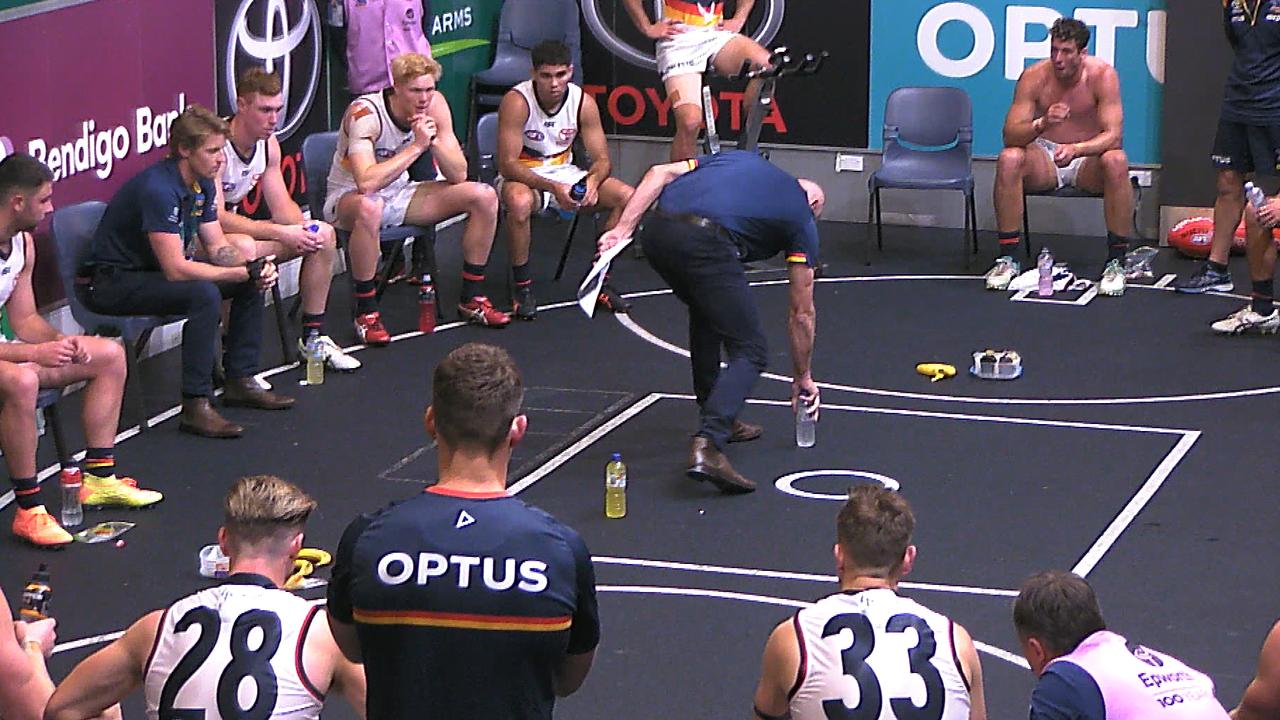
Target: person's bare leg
[
  {"x": 685, "y": 93},
  {"x": 614, "y": 195},
  {"x": 729, "y": 61},
  {"x": 1260, "y": 250},
  {"x": 1228, "y": 208},
  {"x": 436, "y": 200},
  {"x": 518, "y": 201},
  {"x": 105, "y": 374},
  {"x": 19, "y": 384},
  {"x": 1108, "y": 174},
  {"x": 363, "y": 214}
]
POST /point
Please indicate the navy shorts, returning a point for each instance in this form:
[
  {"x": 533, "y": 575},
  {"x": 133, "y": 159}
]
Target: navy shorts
[{"x": 1247, "y": 148}]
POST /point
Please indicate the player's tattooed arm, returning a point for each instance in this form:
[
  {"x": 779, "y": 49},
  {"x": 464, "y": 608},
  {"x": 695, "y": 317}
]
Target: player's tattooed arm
[{"x": 227, "y": 256}]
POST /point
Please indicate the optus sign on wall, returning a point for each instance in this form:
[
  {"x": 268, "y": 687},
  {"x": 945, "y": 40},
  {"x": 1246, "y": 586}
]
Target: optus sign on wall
[{"x": 983, "y": 46}]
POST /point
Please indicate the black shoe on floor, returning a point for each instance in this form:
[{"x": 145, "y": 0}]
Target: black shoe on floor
[
  {"x": 1206, "y": 279},
  {"x": 523, "y": 305},
  {"x": 613, "y": 302}
]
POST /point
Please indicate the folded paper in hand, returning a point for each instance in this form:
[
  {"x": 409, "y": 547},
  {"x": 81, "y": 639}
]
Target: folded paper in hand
[{"x": 590, "y": 288}]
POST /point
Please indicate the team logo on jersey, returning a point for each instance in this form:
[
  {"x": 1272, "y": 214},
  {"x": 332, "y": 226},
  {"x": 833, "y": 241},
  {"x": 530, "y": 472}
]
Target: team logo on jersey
[
  {"x": 548, "y": 123},
  {"x": 1142, "y": 653},
  {"x": 228, "y": 187},
  {"x": 174, "y": 214},
  {"x": 535, "y": 135},
  {"x": 464, "y": 519},
  {"x": 567, "y": 135},
  {"x": 383, "y": 153}
]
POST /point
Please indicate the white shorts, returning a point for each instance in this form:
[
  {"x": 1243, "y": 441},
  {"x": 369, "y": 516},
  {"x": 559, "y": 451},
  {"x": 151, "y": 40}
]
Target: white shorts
[
  {"x": 1066, "y": 175},
  {"x": 395, "y": 198},
  {"x": 567, "y": 174},
  {"x": 690, "y": 52}
]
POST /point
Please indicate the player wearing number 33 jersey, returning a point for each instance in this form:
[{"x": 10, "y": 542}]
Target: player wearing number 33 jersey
[
  {"x": 867, "y": 653},
  {"x": 242, "y": 650}
]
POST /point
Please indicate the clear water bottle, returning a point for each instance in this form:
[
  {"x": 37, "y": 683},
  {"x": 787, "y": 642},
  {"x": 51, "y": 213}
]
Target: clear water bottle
[
  {"x": 1044, "y": 263},
  {"x": 1256, "y": 197},
  {"x": 72, "y": 510},
  {"x": 426, "y": 305},
  {"x": 806, "y": 423},
  {"x": 315, "y": 360},
  {"x": 615, "y": 488}
]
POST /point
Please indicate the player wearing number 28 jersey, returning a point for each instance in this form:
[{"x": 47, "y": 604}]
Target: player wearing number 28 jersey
[
  {"x": 243, "y": 650},
  {"x": 867, "y": 653}
]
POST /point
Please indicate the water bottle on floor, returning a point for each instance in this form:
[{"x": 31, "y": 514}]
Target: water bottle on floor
[
  {"x": 1044, "y": 263},
  {"x": 615, "y": 488},
  {"x": 426, "y": 305},
  {"x": 806, "y": 423},
  {"x": 315, "y": 361},
  {"x": 72, "y": 510}
]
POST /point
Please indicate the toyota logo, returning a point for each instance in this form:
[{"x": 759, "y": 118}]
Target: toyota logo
[
  {"x": 265, "y": 33},
  {"x": 768, "y": 30}
]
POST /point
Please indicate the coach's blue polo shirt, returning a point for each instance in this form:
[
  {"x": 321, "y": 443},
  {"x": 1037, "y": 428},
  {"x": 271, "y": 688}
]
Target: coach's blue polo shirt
[
  {"x": 154, "y": 200},
  {"x": 763, "y": 208}
]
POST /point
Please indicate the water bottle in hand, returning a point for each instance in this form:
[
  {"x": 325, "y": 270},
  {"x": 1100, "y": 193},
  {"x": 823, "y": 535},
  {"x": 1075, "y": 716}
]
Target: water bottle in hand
[
  {"x": 806, "y": 423},
  {"x": 1256, "y": 197},
  {"x": 576, "y": 193},
  {"x": 1044, "y": 264}
]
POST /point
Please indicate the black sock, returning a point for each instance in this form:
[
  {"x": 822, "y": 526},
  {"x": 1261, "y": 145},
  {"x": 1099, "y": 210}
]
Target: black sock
[
  {"x": 1009, "y": 242},
  {"x": 1220, "y": 267},
  {"x": 366, "y": 296},
  {"x": 472, "y": 281},
  {"x": 520, "y": 274},
  {"x": 100, "y": 462},
  {"x": 312, "y": 325},
  {"x": 1263, "y": 296},
  {"x": 1117, "y": 246},
  {"x": 27, "y": 492}
]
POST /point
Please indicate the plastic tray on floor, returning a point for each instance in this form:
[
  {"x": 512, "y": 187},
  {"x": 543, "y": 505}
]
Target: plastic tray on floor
[{"x": 997, "y": 365}]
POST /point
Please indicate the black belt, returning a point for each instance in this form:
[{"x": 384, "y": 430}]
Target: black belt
[{"x": 689, "y": 219}]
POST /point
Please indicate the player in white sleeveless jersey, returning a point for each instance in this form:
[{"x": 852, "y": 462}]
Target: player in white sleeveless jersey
[
  {"x": 243, "y": 650},
  {"x": 253, "y": 160},
  {"x": 381, "y": 135},
  {"x": 538, "y": 121},
  {"x": 693, "y": 37},
  {"x": 867, "y": 651},
  {"x": 40, "y": 357}
]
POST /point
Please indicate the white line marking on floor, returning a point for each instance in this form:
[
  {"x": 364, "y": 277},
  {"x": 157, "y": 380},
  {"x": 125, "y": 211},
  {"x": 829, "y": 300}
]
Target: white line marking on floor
[
  {"x": 1164, "y": 281},
  {"x": 649, "y": 337},
  {"x": 568, "y": 453},
  {"x": 1135, "y": 505},
  {"x": 785, "y": 575}
]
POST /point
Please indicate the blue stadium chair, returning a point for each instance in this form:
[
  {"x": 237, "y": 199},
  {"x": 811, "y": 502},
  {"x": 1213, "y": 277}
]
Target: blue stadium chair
[
  {"x": 72, "y": 230},
  {"x": 928, "y": 145},
  {"x": 521, "y": 26},
  {"x": 317, "y": 155},
  {"x": 487, "y": 147}
]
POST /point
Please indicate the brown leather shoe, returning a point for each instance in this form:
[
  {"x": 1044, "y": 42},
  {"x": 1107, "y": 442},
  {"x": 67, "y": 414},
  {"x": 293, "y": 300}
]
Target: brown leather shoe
[
  {"x": 745, "y": 432},
  {"x": 244, "y": 392},
  {"x": 706, "y": 462},
  {"x": 199, "y": 418}
]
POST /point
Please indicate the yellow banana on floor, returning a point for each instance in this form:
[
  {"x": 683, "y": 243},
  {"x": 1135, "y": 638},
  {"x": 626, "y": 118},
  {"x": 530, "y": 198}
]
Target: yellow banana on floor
[
  {"x": 315, "y": 556},
  {"x": 936, "y": 371},
  {"x": 301, "y": 570}
]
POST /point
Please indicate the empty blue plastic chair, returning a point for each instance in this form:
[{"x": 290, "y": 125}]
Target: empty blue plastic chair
[
  {"x": 72, "y": 230},
  {"x": 317, "y": 156},
  {"x": 928, "y": 145}
]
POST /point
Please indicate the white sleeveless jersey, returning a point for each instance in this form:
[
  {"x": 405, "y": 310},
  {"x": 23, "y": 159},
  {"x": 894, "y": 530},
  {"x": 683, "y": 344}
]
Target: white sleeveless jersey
[
  {"x": 232, "y": 652},
  {"x": 11, "y": 266},
  {"x": 548, "y": 139},
  {"x": 240, "y": 175},
  {"x": 390, "y": 140},
  {"x": 875, "y": 654}
]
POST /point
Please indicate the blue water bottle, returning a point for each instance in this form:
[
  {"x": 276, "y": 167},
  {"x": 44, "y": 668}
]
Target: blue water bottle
[{"x": 576, "y": 193}]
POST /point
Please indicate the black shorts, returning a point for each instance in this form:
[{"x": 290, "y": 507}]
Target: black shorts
[{"x": 1247, "y": 148}]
